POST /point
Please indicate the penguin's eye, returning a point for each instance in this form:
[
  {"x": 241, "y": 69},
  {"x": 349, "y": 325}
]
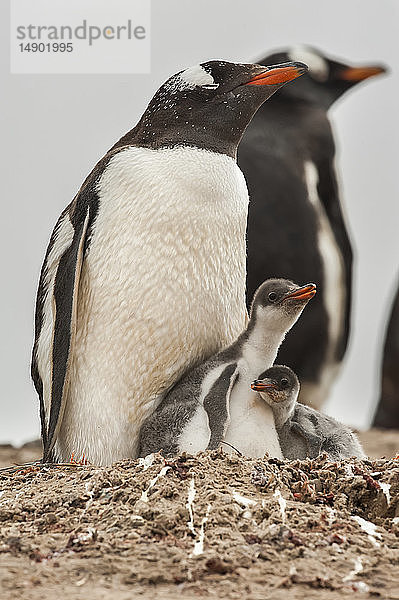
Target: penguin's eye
[
  {"x": 272, "y": 296},
  {"x": 284, "y": 383}
]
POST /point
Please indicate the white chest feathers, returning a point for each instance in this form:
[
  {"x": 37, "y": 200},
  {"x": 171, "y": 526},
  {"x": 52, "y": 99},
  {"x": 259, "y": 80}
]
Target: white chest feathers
[
  {"x": 251, "y": 427},
  {"x": 162, "y": 288}
]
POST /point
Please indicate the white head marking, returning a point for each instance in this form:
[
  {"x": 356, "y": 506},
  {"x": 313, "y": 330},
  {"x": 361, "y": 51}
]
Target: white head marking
[
  {"x": 192, "y": 77},
  {"x": 318, "y": 67}
]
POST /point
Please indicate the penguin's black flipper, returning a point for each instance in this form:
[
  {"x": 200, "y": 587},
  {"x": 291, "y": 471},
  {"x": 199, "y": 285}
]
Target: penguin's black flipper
[
  {"x": 65, "y": 301},
  {"x": 56, "y": 317},
  {"x": 216, "y": 405},
  {"x": 56, "y": 304}
]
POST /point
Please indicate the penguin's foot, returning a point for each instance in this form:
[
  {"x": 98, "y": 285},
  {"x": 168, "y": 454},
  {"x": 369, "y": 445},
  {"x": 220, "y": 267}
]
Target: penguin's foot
[{"x": 79, "y": 461}]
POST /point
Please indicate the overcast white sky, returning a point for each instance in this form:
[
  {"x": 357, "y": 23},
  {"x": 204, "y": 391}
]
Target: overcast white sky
[{"x": 54, "y": 128}]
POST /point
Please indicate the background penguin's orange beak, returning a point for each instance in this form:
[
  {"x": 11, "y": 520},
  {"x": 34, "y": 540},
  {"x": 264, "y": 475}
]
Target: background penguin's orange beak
[
  {"x": 305, "y": 292},
  {"x": 279, "y": 74},
  {"x": 359, "y": 73}
]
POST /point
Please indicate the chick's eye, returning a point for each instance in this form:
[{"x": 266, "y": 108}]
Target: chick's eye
[
  {"x": 272, "y": 296},
  {"x": 284, "y": 383}
]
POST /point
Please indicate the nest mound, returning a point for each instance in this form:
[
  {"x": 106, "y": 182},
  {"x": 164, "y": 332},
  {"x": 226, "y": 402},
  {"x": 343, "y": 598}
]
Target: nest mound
[{"x": 214, "y": 525}]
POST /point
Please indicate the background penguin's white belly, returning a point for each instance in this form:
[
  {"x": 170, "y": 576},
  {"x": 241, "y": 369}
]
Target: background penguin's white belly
[
  {"x": 334, "y": 291},
  {"x": 251, "y": 430},
  {"x": 162, "y": 288}
]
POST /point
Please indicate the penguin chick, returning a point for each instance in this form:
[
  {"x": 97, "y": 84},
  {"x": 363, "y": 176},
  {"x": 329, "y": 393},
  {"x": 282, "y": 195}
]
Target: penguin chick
[
  {"x": 302, "y": 431},
  {"x": 213, "y": 402}
]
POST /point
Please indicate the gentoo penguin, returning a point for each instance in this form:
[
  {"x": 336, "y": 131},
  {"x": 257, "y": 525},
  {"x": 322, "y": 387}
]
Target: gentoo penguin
[
  {"x": 387, "y": 414},
  {"x": 296, "y": 228},
  {"x": 145, "y": 272},
  {"x": 302, "y": 431},
  {"x": 213, "y": 402}
]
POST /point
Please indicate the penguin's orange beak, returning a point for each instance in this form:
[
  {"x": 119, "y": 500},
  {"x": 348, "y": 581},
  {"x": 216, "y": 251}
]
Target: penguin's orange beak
[
  {"x": 279, "y": 74},
  {"x": 305, "y": 292},
  {"x": 260, "y": 385},
  {"x": 356, "y": 74}
]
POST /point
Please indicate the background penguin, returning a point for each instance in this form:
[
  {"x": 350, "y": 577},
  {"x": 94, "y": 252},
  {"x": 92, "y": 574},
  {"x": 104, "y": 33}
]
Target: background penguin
[
  {"x": 296, "y": 228},
  {"x": 387, "y": 414},
  {"x": 302, "y": 431},
  {"x": 213, "y": 402},
  {"x": 150, "y": 252}
]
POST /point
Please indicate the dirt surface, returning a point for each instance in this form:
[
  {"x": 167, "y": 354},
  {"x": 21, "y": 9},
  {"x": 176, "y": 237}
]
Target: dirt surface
[
  {"x": 9, "y": 455},
  {"x": 380, "y": 442},
  {"x": 211, "y": 526}
]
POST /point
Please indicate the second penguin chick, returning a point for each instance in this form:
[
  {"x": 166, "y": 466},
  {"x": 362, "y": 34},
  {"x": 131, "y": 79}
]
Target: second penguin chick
[
  {"x": 303, "y": 432},
  {"x": 213, "y": 402}
]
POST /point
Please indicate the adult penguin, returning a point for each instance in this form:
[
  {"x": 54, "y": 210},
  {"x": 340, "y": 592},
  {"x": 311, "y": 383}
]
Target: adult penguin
[
  {"x": 144, "y": 275},
  {"x": 296, "y": 228},
  {"x": 387, "y": 414}
]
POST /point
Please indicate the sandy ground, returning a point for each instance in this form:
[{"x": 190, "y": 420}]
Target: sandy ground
[{"x": 211, "y": 526}]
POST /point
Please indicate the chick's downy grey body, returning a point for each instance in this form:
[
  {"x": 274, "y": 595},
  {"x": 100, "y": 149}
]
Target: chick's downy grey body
[
  {"x": 213, "y": 402},
  {"x": 163, "y": 430},
  {"x": 302, "y": 431}
]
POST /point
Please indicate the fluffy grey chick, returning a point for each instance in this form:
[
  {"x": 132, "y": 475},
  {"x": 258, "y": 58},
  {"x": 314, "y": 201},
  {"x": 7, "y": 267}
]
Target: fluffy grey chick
[
  {"x": 303, "y": 432},
  {"x": 213, "y": 402}
]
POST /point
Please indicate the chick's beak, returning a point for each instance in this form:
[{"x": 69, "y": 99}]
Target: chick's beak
[
  {"x": 306, "y": 292},
  {"x": 260, "y": 385}
]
